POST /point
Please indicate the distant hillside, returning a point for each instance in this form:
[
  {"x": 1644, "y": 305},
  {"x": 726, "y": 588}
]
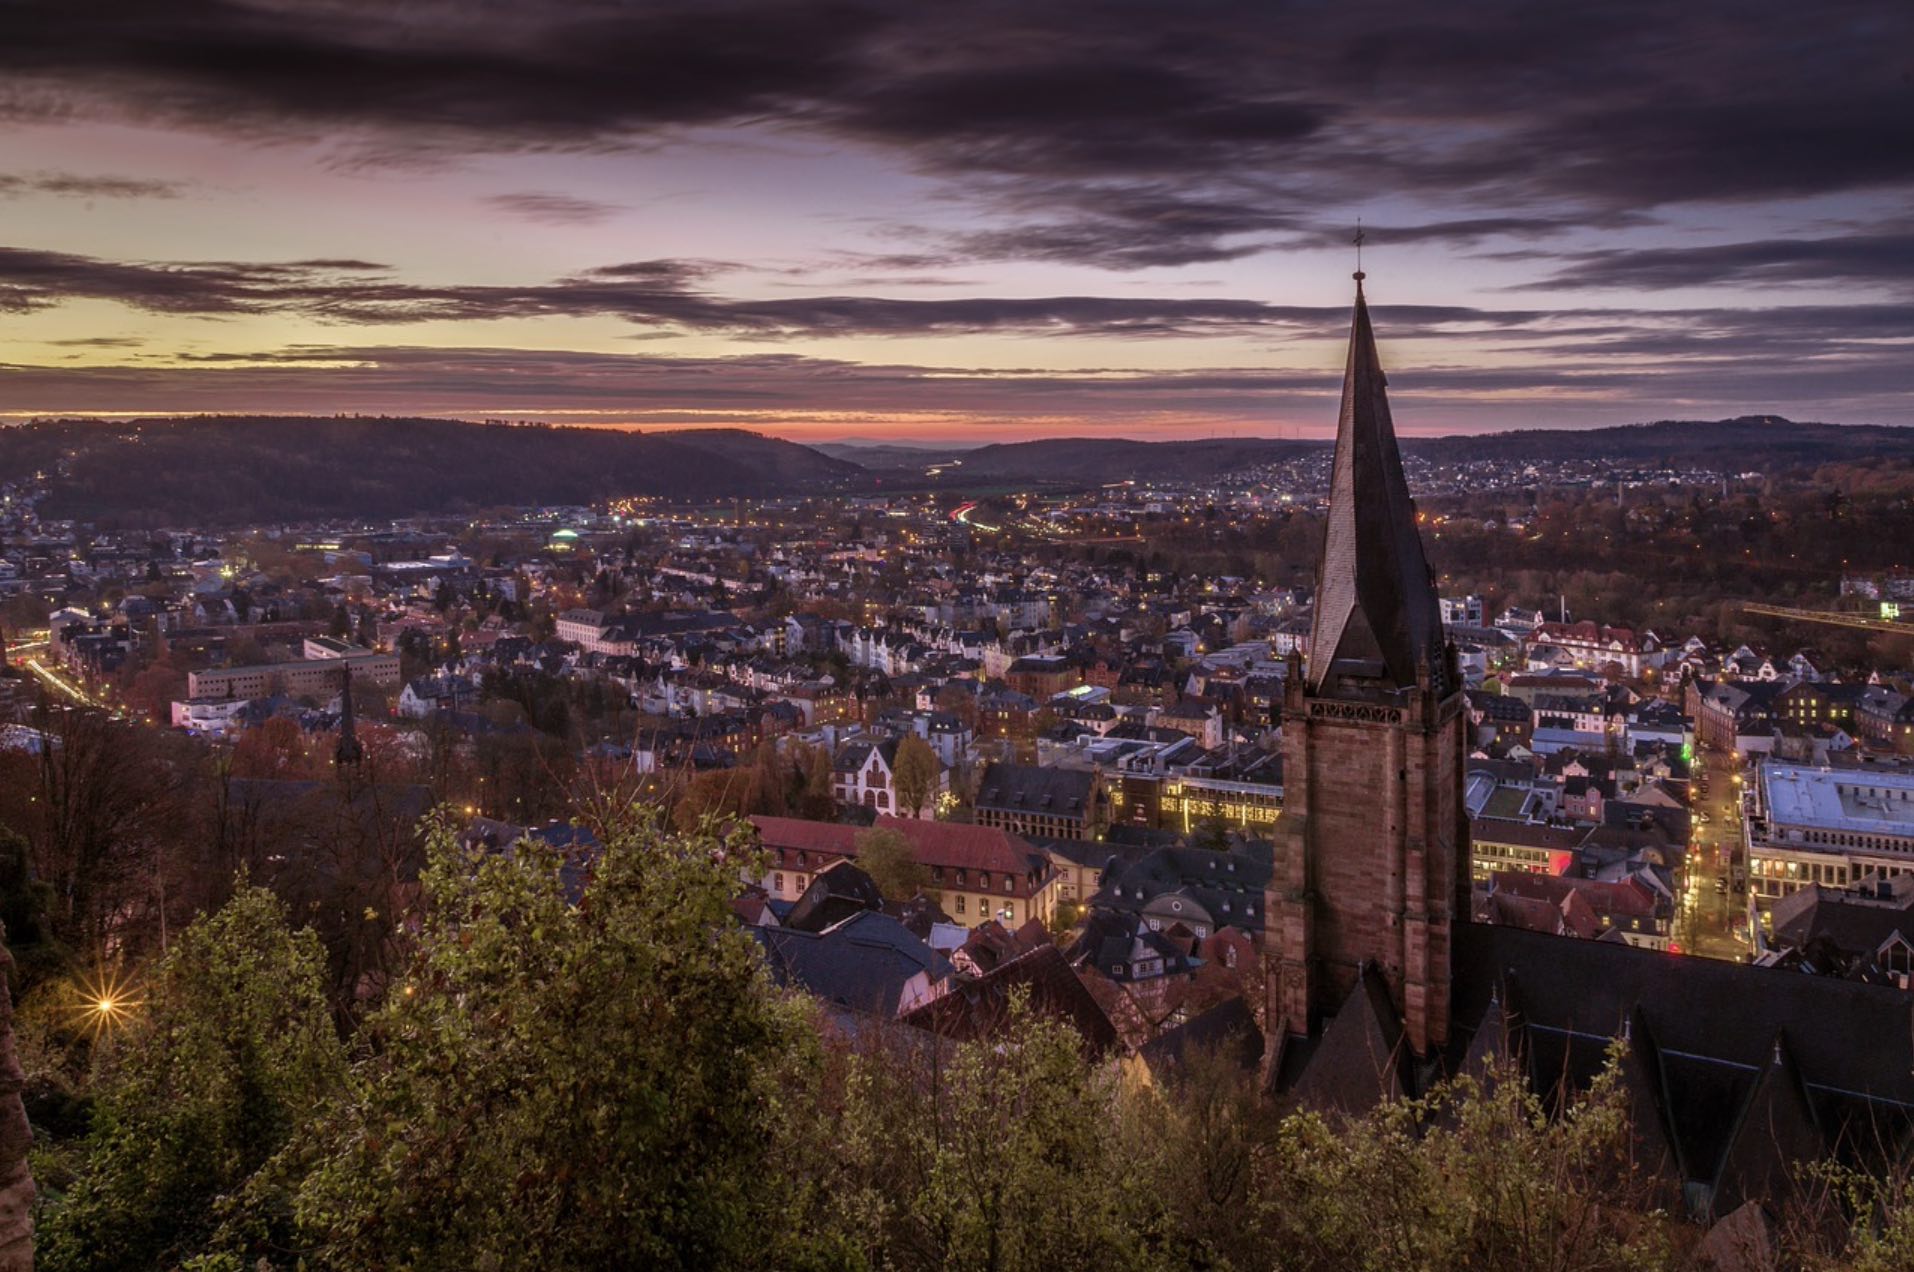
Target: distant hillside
[
  {"x": 1759, "y": 443},
  {"x": 1763, "y": 443},
  {"x": 1090, "y": 460},
  {"x": 233, "y": 470},
  {"x": 889, "y": 455}
]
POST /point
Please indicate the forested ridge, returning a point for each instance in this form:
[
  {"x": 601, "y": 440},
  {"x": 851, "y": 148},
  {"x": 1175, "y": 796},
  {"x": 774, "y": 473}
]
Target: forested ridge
[{"x": 241, "y": 470}]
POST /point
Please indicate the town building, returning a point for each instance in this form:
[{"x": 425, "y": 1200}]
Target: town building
[
  {"x": 1056, "y": 803},
  {"x": 977, "y": 873},
  {"x": 316, "y": 677},
  {"x": 1830, "y": 826}
]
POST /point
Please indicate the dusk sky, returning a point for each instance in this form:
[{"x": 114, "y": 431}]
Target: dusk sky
[{"x": 959, "y": 221}]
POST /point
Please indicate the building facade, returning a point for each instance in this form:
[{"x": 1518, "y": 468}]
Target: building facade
[{"x": 315, "y": 676}]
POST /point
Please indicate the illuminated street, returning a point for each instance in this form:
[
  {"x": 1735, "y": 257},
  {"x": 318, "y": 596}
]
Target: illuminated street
[{"x": 1714, "y": 914}]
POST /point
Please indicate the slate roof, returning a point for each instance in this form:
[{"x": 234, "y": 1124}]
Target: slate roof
[
  {"x": 837, "y": 892},
  {"x": 1027, "y": 788},
  {"x": 1713, "y": 1026},
  {"x": 980, "y": 1007},
  {"x": 1852, "y": 923},
  {"x": 1358, "y": 1063},
  {"x": 1228, "y": 885},
  {"x": 1376, "y": 611},
  {"x": 1228, "y": 1029},
  {"x": 862, "y": 962}
]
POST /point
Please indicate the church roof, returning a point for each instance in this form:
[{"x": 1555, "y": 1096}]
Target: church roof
[
  {"x": 1376, "y": 614},
  {"x": 1357, "y": 1064}
]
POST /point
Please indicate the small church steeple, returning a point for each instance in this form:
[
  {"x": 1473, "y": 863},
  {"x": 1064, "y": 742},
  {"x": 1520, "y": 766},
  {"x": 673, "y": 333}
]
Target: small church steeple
[
  {"x": 349, "y": 751},
  {"x": 1376, "y": 623}
]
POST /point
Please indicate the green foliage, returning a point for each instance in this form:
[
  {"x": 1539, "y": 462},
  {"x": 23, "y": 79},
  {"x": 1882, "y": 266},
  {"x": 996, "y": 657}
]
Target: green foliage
[
  {"x": 1473, "y": 1176},
  {"x": 555, "y": 1085},
  {"x": 888, "y": 858},
  {"x": 992, "y": 1155},
  {"x": 231, "y": 1046},
  {"x": 615, "y": 1083}
]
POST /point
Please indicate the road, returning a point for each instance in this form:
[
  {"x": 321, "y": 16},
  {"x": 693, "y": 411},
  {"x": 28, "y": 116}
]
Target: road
[
  {"x": 1712, "y": 911},
  {"x": 63, "y": 685}
]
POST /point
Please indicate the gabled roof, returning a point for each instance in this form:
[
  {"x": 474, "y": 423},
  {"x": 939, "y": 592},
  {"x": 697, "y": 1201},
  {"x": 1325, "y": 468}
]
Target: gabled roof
[
  {"x": 837, "y": 892},
  {"x": 1358, "y": 1063},
  {"x": 1228, "y": 1029},
  {"x": 980, "y": 1008},
  {"x": 1734, "y": 1109},
  {"x": 951, "y": 845},
  {"x": 863, "y": 962},
  {"x": 1025, "y": 788},
  {"x": 1775, "y": 1132},
  {"x": 1376, "y": 612}
]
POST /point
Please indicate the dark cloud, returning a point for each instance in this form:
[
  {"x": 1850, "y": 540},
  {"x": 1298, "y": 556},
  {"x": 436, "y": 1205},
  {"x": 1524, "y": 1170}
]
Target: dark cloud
[
  {"x": 664, "y": 293},
  {"x": 553, "y": 209},
  {"x": 1127, "y": 134},
  {"x": 76, "y": 186},
  {"x": 1877, "y": 259}
]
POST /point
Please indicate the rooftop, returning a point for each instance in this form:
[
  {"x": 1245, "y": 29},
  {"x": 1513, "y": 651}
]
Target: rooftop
[{"x": 1873, "y": 803}]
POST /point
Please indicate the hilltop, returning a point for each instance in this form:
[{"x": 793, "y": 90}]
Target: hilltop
[{"x": 228, "y": 470}]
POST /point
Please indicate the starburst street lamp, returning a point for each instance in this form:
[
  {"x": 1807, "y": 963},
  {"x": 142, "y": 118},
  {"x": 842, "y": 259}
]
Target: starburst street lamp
[{"x": 104, "y": 1004}]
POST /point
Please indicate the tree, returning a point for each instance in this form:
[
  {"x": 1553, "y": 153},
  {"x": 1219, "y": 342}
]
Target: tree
[
  {"x": 486, "y": 1127},
  {"x": 915, "y": 776},
  {"x": 230, "y": 1047},
  {"x": 817, "y": 803},
  {"x": 26, "y": 906},
  {"x": 888, "y": 858}
]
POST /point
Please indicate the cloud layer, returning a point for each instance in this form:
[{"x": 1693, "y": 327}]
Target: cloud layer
[
  {"x": 1126, "y": 133},
  {"x": 1699, "y": 205}
]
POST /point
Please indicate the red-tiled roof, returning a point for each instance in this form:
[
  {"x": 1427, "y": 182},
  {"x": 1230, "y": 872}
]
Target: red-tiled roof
[
  {"x": 1626, "y": 897},
  {"x": 951, "y": 845}
]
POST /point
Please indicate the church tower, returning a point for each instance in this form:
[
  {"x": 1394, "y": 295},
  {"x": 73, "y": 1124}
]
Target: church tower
[{"x": 1372, "y": 857}]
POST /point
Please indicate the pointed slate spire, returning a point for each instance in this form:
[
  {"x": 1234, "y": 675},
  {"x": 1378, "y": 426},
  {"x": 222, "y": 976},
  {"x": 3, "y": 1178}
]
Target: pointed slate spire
[{"x": 1376, "y": 613}]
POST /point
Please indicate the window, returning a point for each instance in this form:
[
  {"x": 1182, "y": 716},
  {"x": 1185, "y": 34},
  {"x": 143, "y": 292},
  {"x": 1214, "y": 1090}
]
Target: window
[
  {"x": 960, "y": 903},
  {"x": 983, "y": 907},
  {"x": 777, "y": 883}
]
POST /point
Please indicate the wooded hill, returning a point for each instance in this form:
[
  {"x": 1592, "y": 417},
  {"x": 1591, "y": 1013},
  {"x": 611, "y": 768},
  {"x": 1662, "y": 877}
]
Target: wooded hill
[{"x": 231, "y": 470}]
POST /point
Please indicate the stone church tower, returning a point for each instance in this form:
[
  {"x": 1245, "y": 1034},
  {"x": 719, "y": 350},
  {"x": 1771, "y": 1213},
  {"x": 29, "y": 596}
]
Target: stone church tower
[{"x": 1372, "y": 858}]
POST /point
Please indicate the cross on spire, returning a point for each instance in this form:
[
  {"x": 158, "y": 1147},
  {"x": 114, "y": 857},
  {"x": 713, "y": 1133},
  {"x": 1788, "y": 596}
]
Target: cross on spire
[{"x": 1359, "y": 275}]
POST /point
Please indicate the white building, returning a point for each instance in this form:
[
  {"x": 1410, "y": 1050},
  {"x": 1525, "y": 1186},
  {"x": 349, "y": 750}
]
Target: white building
[
  {"x": 210, "y": 717},
  {"x": 1829, "y": 826}
]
